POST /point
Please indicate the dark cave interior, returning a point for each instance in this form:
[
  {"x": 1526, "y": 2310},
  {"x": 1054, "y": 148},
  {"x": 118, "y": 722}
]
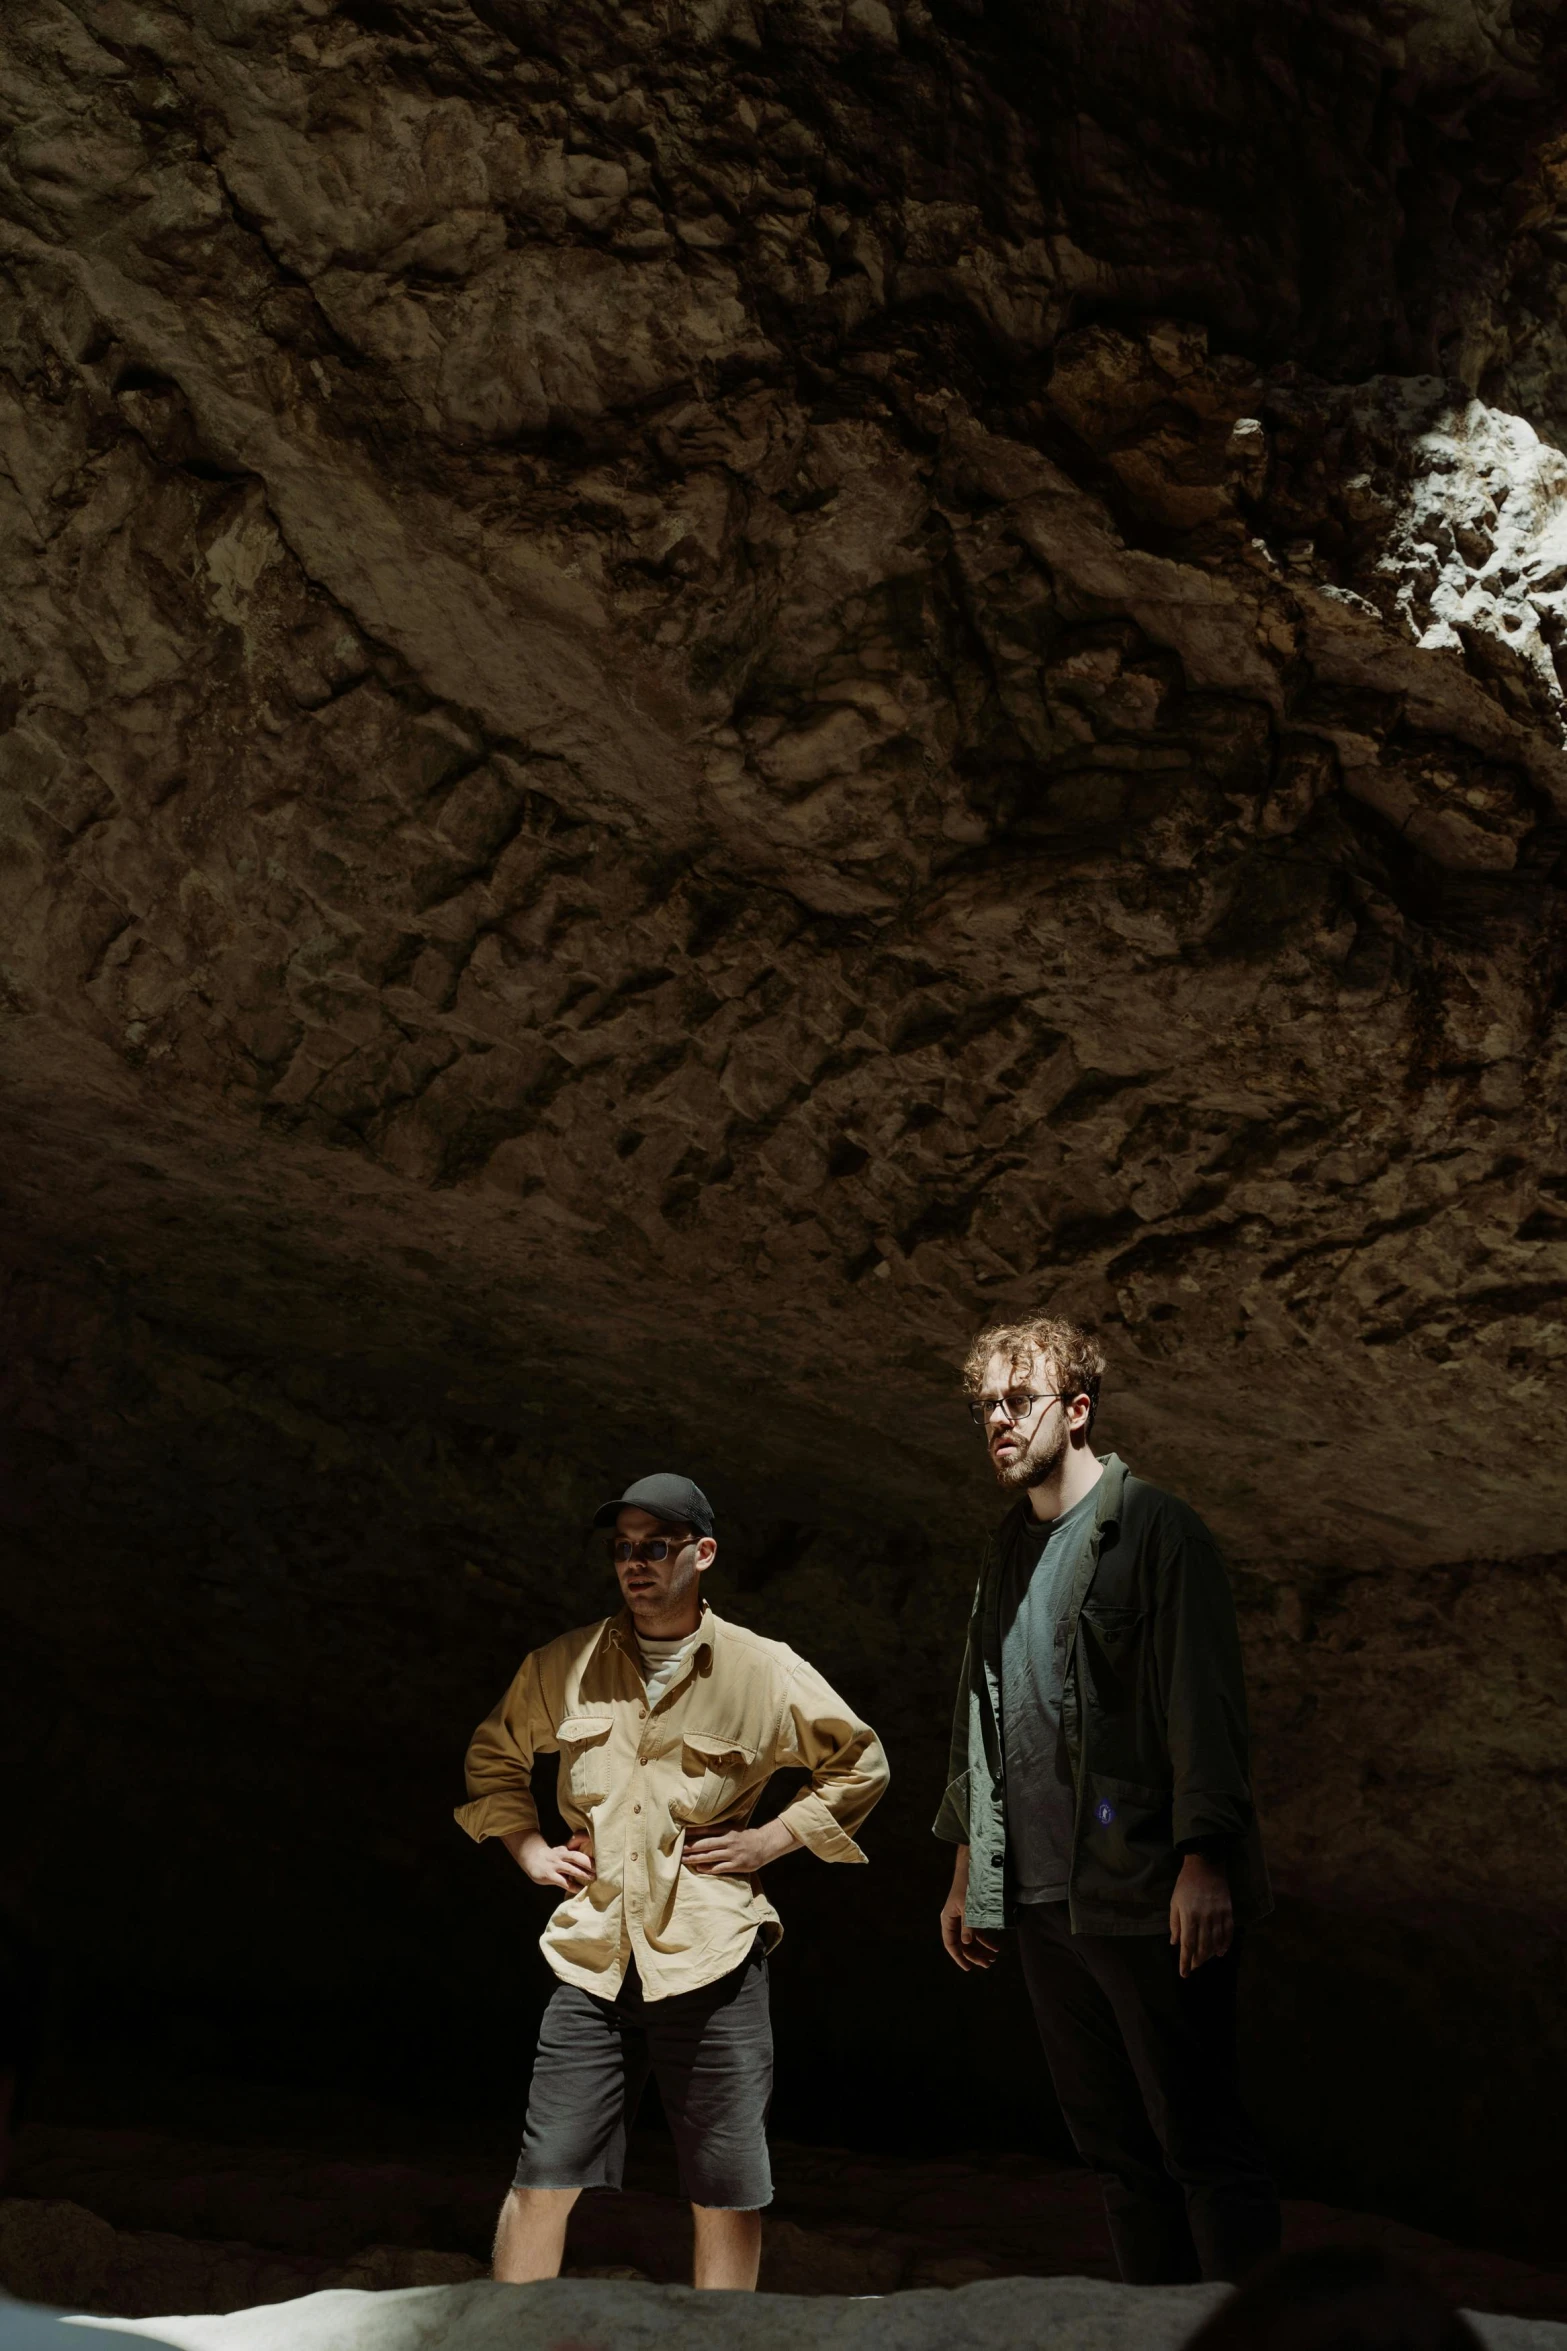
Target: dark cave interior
[{"x": 689, "y": 694}]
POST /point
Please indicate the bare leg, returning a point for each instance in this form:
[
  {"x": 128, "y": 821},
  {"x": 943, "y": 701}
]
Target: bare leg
[
  {"x": 530, "y": 2235},
  {"x": 728, "y": 2248}
]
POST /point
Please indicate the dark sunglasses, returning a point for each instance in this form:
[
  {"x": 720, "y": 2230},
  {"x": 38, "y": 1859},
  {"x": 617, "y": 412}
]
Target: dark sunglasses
[{"x": 625, "y": 1548}]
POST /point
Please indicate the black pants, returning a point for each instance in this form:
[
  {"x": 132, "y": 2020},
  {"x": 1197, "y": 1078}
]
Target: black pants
[{"x": 1143, "y": 2061}]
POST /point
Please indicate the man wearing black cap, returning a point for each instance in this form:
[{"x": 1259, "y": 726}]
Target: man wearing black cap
[{"x": 669, "y": 1722}]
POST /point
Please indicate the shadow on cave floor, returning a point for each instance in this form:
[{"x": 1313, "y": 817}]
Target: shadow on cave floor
[{"x": 229, "y": 2194}]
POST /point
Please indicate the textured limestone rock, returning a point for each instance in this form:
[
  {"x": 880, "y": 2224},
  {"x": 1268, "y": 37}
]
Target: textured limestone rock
[
  {"x": 490, "y": 793},
  {"x": 1083, "y": 2313},
  {"x": 689, "y": 694},
  {"x": 217, "y": 2228},
  {"x": 24, "y": 2327},
  {"x": 59, "y": 2253}
]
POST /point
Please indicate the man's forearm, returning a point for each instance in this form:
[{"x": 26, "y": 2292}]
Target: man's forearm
[
  {"x": 780, "y": 1838},
  {"x": 519, "y": 1842}
]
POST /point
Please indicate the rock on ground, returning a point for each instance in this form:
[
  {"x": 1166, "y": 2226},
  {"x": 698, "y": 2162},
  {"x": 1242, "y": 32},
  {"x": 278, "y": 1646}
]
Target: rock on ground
[
  {"x": 54, "y": 2252},
  {"x": 204, "y": 2227},
  {"x": 1011, "y": 2314}
]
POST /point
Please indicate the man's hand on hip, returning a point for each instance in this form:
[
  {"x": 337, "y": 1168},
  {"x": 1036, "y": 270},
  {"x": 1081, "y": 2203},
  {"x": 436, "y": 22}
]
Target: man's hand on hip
[
  {"x": 736, "y": 1853},
  {"x": 1202, "y": 1917},
  {"x": 966, "y": 1944},
  {"x": 569, "y": 1866}
]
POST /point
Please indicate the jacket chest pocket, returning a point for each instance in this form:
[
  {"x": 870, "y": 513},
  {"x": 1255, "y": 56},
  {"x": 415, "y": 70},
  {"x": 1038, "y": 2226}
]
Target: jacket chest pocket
[
  {"x": 713, "y": 1776},
  {"x": 1112, "y": 1639},
  {"x": 1112, "y": 1627},
  {"x": 584, "y": 1755}
]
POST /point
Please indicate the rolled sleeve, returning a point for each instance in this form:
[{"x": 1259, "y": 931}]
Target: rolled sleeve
[
  {"x": 499, "y": 1765},
  {"x": 844, "y": 1757},
  {"x": 814, "y": 1825},
  {"x": 951, "y": 1822}
]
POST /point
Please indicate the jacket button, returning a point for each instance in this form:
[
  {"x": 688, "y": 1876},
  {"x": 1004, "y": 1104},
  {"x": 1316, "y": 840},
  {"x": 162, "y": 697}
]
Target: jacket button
[{"x": 995, "y": 1861}]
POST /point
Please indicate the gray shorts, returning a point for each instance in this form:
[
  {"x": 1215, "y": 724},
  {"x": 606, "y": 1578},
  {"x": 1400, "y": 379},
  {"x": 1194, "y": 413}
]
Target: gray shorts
[{"x": 712, "y": 2054}]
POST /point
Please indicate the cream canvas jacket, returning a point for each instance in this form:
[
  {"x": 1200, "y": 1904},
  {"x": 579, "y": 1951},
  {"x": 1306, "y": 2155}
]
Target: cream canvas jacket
[{"x": 635, "y": 1780}]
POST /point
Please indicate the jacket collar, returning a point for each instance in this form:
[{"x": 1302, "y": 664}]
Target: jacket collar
[{"x": 1110, "y": 1491}]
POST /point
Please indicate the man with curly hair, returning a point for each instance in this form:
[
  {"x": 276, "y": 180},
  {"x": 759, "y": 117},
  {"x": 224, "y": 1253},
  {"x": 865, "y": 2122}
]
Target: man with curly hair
[{"x": 1100, "y": 1801}]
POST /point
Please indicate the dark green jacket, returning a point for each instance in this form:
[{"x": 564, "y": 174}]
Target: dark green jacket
[{"x": 1153, "y": 1711}]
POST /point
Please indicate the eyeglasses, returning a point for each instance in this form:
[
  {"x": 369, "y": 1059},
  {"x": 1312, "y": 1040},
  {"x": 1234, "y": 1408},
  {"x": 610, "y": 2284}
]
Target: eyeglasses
[
  {"x": 623, "y": 1550},
  {"x": 1014, "y": 1406}
]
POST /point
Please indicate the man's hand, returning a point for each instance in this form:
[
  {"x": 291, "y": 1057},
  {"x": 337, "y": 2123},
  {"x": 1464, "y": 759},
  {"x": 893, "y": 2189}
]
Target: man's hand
[
  {"x": 736, "y": 1853},
  {"x": 569, "y": 1866},
  {"x": 964, "y": 1943},
  {"x": 1202, "y": 1917}
]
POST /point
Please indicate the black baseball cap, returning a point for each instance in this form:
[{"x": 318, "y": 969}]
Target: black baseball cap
[{"x": 678, "y": 1500}]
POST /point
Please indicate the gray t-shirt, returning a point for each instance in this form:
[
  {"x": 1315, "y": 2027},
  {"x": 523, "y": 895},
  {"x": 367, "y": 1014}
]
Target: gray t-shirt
[{"x": 1041, "y": 1807}]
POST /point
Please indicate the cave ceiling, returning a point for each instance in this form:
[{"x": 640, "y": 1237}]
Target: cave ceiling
[{"x": 811, "y": 669}]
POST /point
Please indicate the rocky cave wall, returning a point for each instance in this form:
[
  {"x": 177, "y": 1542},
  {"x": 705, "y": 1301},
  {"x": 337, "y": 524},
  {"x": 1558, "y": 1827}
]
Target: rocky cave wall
[{"x": 690, "y": 693}]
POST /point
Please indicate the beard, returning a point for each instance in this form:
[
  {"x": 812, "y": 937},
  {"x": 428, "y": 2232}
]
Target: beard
[{"x": 1034, "y": 1464}]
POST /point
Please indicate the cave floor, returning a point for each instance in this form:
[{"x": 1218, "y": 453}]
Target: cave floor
[{"x": 138, "y": 2221}]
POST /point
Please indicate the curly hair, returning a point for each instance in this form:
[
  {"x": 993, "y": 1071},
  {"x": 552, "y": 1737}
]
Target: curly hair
[{"x": 1074, "y": 1355}]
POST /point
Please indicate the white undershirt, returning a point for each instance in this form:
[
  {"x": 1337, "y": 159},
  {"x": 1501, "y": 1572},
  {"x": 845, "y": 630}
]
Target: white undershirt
[{"x": 663, "y": 1662}]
